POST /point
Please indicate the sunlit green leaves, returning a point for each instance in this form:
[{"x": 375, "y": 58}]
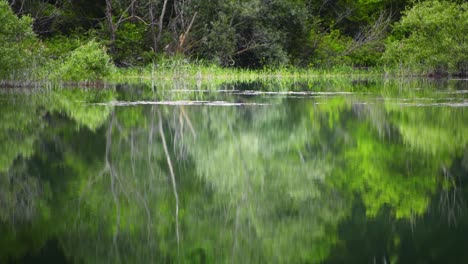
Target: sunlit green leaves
[
  {"x": 88, "y": 62},
  {"x": 431, "y": 37},
  {"x": 18, "y": 44}
]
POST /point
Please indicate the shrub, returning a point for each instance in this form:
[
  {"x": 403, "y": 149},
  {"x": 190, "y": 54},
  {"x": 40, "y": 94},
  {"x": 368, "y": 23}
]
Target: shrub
[
  {"x": 88, "y": 62},
  {"x": 60, "y": 46},
  {"x": 431, "y": 37},
  {"x": 18, "y": 44},
  {"x": 130, "y": 44},
  {"x": 330, "y": 49}
]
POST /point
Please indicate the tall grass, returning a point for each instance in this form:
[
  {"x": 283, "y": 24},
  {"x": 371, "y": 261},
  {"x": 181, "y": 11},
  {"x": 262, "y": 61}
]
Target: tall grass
[
  {"x": 179, "y": 68},
  {"x": 180, "y": 73}
]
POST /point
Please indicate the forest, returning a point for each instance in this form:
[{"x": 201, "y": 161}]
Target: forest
[
  {"x": 233, "y": 131},
  {"x": 87, "y": 39}
]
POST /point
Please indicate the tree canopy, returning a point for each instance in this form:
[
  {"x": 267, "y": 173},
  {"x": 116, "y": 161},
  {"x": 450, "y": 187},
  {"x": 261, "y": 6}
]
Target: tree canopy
[{"x": 427, "y": 36}]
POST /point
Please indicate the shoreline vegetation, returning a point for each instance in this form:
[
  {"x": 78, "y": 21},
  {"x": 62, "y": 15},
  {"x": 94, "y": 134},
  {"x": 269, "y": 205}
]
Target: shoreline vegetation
[
  {"x": 200, "y": 74},
  {"x": 182, "y": 70},
  {"x": 38, "y": 46}
]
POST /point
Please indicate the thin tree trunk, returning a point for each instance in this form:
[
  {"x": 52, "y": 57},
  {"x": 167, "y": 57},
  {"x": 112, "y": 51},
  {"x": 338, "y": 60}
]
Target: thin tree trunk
[
  {"x": 112, "y": 27},
  {"x": 160, "y": 25},
  {"x": 184, "y": 35},
  {"x": 152, "y": 25}
]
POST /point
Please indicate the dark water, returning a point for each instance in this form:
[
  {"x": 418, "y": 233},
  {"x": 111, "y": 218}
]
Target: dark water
[{"x": 279, "y": 172}]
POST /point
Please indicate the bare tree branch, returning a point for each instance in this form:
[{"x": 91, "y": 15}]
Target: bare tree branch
[{"x": 371, "y": 34}]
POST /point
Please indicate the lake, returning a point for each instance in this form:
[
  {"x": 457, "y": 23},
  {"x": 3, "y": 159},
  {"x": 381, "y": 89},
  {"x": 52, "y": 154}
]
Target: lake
[{"x": 276, "y": 171}]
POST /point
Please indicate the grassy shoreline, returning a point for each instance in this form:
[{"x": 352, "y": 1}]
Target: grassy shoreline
[
  {"x": 190, "y": 73},
  {"x": 212, "y": 72}
]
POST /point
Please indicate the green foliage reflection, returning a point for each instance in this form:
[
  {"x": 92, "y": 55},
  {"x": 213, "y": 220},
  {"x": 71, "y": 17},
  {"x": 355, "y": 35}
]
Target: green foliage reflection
[{"x": 253, "y": 183}]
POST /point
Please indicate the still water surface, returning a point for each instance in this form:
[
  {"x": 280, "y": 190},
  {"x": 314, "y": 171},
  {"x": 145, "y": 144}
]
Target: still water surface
[{"x": 278, "y": 172}]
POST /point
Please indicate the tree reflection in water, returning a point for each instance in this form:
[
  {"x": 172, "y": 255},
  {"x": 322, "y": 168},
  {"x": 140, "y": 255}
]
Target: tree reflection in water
[{"x": 336, "y": 177}]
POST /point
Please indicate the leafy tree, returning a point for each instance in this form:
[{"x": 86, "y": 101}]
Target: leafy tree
[
  {"x": 431, "y": 37},
  {"x": 247, "y": 33},
  {"x": 18, "y": 45}
]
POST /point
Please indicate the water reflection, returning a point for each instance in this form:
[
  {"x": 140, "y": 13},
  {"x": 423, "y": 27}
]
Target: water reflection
[{"x": 354, "y": 176}]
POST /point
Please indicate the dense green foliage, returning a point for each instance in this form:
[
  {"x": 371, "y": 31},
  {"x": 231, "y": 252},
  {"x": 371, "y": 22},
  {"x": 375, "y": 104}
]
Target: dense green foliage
[
  {"x": 89, "y": 62},
  {"x": 432, "y": 37},
  {"x": 423, "y": 37},
  {"x": 18, "y": 44}
]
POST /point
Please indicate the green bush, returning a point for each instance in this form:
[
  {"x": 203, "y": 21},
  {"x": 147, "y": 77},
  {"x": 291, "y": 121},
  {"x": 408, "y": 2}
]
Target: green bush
[
  {"x": 330, "y": 49},
  {"x": 88, "y": 62},
  {"x": 19, "y": 47},
  {"x": 431, "y": 38},
  {"x": 60, "y": 46},
  {"x": 130, "y": 45},
  {"x": 368, "y": 55}
]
